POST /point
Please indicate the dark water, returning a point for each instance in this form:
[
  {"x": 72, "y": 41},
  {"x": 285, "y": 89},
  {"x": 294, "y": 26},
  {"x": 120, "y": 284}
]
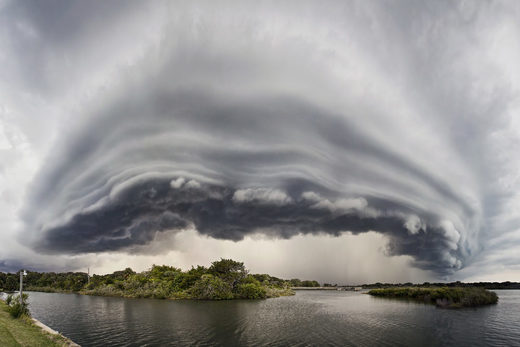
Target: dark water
[{"x": 309, "y": 318}]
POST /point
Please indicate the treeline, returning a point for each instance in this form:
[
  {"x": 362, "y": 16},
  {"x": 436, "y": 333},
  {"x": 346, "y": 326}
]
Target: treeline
[
  {"x": 306, "y": 283},
  {"x": 485, "y": 285},
  {"x": 224, "y": 279},
  {"x": 67, "y": 281}
]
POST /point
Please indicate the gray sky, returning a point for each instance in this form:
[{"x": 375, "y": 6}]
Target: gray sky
[{"x": 343, "y": 141}]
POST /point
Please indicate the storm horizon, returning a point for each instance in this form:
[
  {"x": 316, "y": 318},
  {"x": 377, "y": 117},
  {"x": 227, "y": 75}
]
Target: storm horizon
[{"x": 346, "y": 142}]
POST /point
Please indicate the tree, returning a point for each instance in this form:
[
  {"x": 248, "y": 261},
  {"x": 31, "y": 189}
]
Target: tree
[
  {"x": 310, "y": 284},
  {"x": 11, "y": 283},
  {"x": 232, "y": 272},
  {"x": 296, "y": 282},
  {"x": 187, "y": 279}
]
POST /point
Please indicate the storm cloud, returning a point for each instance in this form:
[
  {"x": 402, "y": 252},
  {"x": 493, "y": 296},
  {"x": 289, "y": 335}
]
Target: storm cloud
[{"x": 248, "y": 118}]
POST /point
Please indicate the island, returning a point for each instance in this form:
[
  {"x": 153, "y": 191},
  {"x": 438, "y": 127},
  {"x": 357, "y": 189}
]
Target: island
[
  {"x": 225, "y": 279},
  {"x": 445, "y": 297}
]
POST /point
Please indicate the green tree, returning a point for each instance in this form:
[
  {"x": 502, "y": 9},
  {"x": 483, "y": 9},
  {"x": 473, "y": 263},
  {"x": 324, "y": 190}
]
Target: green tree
[
  {"x": 186, "y": 280},
  {"x": 11, "y": 283},
  {"x": 230, "y": 271},
  {"x": 296, "y": 282},
  {"x": 310, "y": 284}
]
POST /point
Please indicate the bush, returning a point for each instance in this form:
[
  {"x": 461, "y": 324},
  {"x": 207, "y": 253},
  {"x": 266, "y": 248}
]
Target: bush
[
  {"x": 16, "y": 308},
  {"x": 209, "y": 287},
  {"x": 251, "y": 291}
]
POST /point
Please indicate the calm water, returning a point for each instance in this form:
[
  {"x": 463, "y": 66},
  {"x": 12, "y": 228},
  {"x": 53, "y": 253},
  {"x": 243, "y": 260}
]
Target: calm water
[{"x": 308, "y": 318}]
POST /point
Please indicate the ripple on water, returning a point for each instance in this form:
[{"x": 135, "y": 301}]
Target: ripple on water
[{"x": 308, "y": 318}]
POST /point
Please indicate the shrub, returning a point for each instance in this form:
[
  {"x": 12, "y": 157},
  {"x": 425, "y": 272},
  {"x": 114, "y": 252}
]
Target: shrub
[
  {"x": 251, "y": 291},
  {"x": 16, "y": 308},
  {"x": 209, "y": 287}
]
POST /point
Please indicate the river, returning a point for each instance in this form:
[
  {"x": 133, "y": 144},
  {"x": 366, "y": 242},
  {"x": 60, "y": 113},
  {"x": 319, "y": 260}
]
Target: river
[{"x": 308, "y": 318}]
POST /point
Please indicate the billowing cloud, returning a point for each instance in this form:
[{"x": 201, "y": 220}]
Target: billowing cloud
[{"x": 279, "y": 119}]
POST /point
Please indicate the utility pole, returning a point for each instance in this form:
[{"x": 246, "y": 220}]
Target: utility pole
[
  {"x": 22, "y": 273},
  {"x": 21, "y": 287},
  {"x": 88, "y": 275}
]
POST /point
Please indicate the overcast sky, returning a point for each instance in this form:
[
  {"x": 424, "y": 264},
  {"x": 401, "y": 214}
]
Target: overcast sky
[{"x": 343, "y": 141}]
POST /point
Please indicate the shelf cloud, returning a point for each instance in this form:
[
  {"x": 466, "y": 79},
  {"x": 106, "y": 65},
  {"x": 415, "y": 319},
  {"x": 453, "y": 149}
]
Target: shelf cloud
[{"x": 236, "y": 119}]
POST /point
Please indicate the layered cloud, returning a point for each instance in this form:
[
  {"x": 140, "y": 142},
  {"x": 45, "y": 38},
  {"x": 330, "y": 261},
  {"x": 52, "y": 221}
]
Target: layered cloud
[{"x": 279, "y": 119}]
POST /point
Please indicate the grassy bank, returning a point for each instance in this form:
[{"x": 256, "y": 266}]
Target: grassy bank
[
  {"x": 449, "y": 297},
  {"x": 23, "y": 332}
]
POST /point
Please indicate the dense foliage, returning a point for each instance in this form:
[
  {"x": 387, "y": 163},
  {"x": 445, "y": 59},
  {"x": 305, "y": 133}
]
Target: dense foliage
[
  {"x": 224, "y": 279},
  {"x": 441, "y": 296},
  {"x": 44, "y": 281}
]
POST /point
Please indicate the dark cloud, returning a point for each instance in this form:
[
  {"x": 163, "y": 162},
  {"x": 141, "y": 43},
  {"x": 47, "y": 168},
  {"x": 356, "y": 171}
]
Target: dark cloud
[
  {"x": 230, "y": 168},
  {"x": 143, "y": 210}
]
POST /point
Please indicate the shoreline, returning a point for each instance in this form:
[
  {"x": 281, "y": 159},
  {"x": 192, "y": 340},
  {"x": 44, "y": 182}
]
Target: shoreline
[
  {"x": 51, "y": 331},
  {"x": 280, "y": 293},
  {"x": 337, "y": 288},
  {"x": 27, "y": 330}
]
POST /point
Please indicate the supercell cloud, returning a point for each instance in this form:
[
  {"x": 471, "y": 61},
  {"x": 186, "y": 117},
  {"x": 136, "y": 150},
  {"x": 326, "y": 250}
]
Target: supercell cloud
[{"x": 280, "y": 119}]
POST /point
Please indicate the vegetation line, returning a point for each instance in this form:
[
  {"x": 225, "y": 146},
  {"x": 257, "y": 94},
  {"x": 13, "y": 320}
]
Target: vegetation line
[
  {"x": 225, "y": 279},
  {"x": 448, "y": 297}
]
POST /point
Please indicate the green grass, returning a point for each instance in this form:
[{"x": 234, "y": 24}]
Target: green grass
[
  {"x": 450, "y": 297},
  {"x": 22, "y": 332}
]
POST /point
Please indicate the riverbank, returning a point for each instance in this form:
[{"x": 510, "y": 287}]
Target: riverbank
[
  {"x": 28, "y": 332},
  {"x": 446, "y": 297}
]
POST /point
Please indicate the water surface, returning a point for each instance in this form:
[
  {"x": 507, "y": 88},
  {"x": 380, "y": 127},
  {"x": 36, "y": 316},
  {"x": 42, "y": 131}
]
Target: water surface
[{"x": 308, "y": 318}]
